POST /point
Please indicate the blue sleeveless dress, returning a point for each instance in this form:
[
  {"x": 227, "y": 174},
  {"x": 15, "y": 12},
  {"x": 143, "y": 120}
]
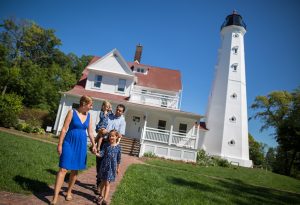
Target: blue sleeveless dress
[{"x": 74, "y": 148}]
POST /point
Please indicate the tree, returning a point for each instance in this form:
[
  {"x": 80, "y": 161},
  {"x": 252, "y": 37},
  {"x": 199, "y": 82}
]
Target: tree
[
  {"x": 270, "y": 158},
  {"x": 256, "y": 151},
  {"x": 280, "y": 110}
]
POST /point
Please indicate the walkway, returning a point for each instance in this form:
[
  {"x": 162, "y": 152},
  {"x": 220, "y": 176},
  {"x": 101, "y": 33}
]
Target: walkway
[{"x": 83, "y": 193}]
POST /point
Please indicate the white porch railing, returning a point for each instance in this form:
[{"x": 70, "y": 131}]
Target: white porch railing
[
  {"x": 170, "y": 137},
  {"x": 154, "y": 99}
]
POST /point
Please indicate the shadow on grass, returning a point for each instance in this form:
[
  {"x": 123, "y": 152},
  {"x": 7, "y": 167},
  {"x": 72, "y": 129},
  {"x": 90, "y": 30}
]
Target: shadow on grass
[
  {"x": 251, "y": 194},
  {"x": 37, "y": 188},
  {"x": 238, "y": 192},
  {"x": 198, "y": 187}
]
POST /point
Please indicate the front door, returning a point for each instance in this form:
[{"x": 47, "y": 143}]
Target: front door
[{"x": 135, "y": 126}]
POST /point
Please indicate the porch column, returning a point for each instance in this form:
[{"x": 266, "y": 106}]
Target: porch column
[
  {"x": 170, "y": 136},
  {"x": 144, "y": 131},
  {"x": 197, "y": 137}
]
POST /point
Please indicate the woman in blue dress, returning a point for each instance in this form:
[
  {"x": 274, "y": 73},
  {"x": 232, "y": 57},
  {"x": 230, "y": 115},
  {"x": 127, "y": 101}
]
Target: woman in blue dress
[
  {"x": 72, "y": 145},
  {"x": 110, "y": 165}
]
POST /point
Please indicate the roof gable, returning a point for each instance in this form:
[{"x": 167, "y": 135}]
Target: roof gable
[{"x": 112, "y": 62}]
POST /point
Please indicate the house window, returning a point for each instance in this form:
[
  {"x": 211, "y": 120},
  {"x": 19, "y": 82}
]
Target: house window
[
  {"x": 98, "y": 81},
  {"x": 234, "y": 67},
  {"x": 161, "y": 124},
  {"x": 235, "y": 49},
  {"x": 164, "y": 101},
  {"x": 121, "y": 85},
  {"x": 182, "y": 128}
]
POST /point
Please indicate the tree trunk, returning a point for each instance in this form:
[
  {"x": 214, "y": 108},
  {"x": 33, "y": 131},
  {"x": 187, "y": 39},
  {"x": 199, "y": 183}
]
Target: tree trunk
[
  {"x": 289, "y": 168},
  {"x": 4, "y": 90}
]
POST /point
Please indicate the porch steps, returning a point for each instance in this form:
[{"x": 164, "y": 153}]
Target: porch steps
[{"x": 130, "y": 146}]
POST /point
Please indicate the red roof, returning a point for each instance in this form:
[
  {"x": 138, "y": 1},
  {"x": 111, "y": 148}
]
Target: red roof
[{"x": 159, "y": 78}]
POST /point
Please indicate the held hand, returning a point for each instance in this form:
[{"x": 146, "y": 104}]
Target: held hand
[
  {"x": 94, "y": 149},
  {"x": 59, "y": 149}
]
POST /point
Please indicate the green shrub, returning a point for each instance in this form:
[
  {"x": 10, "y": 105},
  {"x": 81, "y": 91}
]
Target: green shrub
[
  {"x": 35, "y": 117},
  {"x": 204, "y": 159},
  {"x": 222, "y": 162},
  {"x": 150, "y": 155},
  {"x": 10, "y": 108},
  {"x": 20, "y": 126},
  {"x": 28, "y": 128}
]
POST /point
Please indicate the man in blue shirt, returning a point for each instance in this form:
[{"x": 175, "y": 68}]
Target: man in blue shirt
[{"x": 115, "y": 122}]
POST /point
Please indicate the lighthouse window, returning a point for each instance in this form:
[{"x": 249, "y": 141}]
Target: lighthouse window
[
  {"x": 236, "y": 35},
  {"x": 231, "y": 142},
  {"x": 234, "y": 96},
  {"x": 234, "y": 67},
  {"x": 232, "y": 119},
  {"x": 235, "y": 49}
]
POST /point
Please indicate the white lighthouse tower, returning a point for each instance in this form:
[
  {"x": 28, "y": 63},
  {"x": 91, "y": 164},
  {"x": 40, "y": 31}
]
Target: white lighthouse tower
[{"x": 226, "y": 116}]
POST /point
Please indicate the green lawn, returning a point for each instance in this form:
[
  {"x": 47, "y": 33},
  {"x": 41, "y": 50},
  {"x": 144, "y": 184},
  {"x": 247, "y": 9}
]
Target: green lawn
[
  {"x": 27, "y": 165},
  {"x": 167, "y": 182}
]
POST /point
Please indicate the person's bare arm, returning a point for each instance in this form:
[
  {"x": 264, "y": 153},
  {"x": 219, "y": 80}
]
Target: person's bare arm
[{"x": 91, "y": 135}]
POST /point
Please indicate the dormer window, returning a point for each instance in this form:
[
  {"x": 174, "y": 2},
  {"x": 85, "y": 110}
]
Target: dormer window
[
  {"x": 235, "y": 49},
  {"x": 140, "y": 70},
  {"x": 121, "y": 85},
  {"x": 98, "y": 81}
]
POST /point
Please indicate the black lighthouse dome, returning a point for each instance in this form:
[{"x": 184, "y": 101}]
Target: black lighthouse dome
[{"x": 234, "y": 19}]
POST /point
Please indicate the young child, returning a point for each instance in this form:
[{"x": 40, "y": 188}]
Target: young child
[
  {"x": 102, "y": 124},
  {"x": 110, "y": 166}
]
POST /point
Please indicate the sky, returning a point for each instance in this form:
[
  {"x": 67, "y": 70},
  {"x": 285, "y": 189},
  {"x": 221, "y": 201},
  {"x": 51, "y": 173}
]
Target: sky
[{"x": 182, "y": 35}]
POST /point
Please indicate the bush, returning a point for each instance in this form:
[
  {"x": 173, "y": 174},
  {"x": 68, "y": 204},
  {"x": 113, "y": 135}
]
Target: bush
[
  {"x": 222, "y": 162},
  {"x": 150, "y": 155},
  {"x": 204, "y": 159},
  {"x": 35, "y": 117},
  {"x": 28, "y": 128},
  {"x": 10, "y": 108},
  {"x": 20, "y": 126}
]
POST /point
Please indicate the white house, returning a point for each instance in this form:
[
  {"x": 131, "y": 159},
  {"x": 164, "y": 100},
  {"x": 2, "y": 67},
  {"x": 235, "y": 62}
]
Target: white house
[{"x": 152, "y": 96}]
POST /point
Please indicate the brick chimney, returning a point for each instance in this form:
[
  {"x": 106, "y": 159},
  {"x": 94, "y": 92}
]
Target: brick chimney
[{"x": 138, "y": 53}]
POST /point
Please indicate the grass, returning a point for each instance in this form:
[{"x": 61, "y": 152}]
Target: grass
[
  {"x": 27, "y": 165},
  {"x": 168, "y": 182}
]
